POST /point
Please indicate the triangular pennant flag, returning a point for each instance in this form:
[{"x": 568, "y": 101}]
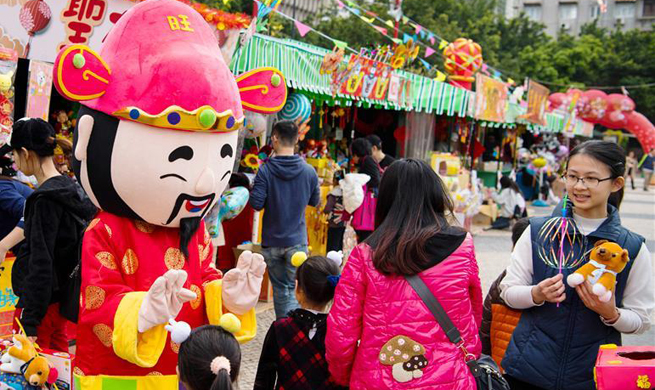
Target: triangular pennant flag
[
  {"x": 510, "y": 81},
  {"x": 442, "y": 44},
  {"x": 405, "y": 19},
  {"x": 425, "y": 63},
  {"x": 440, "y": 76},
  {"x": 351, "y": 4},
  {"x": 303, "y": 29},
  {"x": 390, "y": 23},
  {"x": 396, "y": 41},
  {"x": 381, "y": 29},
  {"x": 422, "y": 34},
  {"x": 418, "y": 28},
  {"x": 367, "y": 20},
  {"x": 340, "y": 4},
  {"x": 373, "y": 14},
  {"x": 355, "y": 11},
  {"x": 340, "y": 44},
  {"x": 406, "y": 37},
  {"x": 429, "y": 51},
  {"x": 431, "y": 38}
]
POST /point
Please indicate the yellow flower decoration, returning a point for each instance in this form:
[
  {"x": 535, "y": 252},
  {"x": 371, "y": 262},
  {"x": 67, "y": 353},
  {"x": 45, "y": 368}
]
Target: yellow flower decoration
[
  {"x": 643, "y": 382},
  {"x": 251, "y": 161}
]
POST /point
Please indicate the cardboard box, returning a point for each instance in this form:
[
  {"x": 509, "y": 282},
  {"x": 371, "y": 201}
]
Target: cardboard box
[
  {"x": 63, "y": 362},
  {"x": 625, "y": 367},
  {"x": 266, "y": 294}
]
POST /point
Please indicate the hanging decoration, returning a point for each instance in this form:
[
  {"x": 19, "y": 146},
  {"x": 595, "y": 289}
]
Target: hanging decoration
[
  {"x": 34, "y": 17},
  {"x": 297, "y": 107},
  {"x": 332, "y": 60},
  {"x": 614, "y": 111},
  {"x": 463, "y": 58}
]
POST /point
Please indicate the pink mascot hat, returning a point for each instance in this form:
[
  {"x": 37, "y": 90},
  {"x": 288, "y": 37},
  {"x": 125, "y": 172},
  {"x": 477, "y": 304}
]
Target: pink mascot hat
[{"x": 161, "y": 65}]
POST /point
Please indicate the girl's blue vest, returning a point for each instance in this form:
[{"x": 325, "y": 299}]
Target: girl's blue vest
[{"x": 556, "y": 347}]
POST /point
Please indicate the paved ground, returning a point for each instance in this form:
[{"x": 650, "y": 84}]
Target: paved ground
[{"x": 492, "y": 250}]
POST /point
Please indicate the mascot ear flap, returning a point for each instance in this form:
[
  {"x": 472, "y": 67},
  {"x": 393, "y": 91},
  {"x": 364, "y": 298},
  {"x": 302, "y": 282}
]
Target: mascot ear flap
[
  {"x": 80, "y": 73},
  {"x": 263, "y": 90},
  {"x": 84, "y": 128},
  {"x": 625, "y": 256}
]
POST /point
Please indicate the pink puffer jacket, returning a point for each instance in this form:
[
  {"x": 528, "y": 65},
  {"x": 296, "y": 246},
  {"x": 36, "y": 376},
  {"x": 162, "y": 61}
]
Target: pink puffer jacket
[{"x": 371, "y": 311}]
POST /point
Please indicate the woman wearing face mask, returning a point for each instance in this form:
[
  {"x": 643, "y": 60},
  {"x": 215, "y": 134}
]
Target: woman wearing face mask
[
  {"x": 55, "y": 215},
  {"x": 561, "y": 329}
]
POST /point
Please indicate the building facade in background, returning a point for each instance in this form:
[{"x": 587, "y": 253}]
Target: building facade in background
[
  {"x": 303, "y": 8},
  {"x": 571, "y": 15}
]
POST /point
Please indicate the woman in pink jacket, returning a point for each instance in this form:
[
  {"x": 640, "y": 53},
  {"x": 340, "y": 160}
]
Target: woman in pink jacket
[{"x": 380, "y": 334}]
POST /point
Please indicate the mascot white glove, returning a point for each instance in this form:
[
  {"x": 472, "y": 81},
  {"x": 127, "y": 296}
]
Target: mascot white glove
[
  {"x": 164, "y": 300},
  {"x": 242, "y": 285}
]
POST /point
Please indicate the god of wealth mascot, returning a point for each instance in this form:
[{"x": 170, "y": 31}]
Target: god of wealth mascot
[{"x": 154, "y": 149}]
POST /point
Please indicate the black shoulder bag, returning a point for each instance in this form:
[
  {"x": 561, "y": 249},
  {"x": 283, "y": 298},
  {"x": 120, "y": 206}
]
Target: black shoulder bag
[{"x": 485, "y": 370}]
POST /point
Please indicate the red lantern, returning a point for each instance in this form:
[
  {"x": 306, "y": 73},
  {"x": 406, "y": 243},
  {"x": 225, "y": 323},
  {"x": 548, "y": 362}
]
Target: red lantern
[
  {"x": 34, "y": 17},
  {"x": 462, "y": 58}
]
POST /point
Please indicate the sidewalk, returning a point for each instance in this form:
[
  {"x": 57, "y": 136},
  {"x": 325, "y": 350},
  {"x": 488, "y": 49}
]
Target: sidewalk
[{"x": 493, "y": 250}]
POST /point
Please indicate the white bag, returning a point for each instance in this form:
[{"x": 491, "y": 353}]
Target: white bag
[{"x": 353, "y": 192}]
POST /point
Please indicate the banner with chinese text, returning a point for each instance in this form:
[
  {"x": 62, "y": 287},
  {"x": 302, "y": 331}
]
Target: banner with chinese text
[{"x": 491, "y": 99}]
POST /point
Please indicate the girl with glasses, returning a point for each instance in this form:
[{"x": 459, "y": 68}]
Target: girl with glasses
[{"x": 561, "y": 329}]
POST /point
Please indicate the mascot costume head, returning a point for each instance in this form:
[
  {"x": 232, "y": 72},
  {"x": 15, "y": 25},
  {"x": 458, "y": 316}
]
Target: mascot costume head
[
  {"x": 160, "y": 113},
  {"x": 154, "y": 149}
]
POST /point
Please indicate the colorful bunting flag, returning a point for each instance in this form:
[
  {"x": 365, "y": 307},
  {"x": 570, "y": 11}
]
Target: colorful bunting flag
[
  {"x": 440, "y": 76},
  {"x": 425, "y": 63},
  {"x": 340, "y": 44},
  {"x": 396, "y": 41},
  {"x": 303, "y": 29},
  {"x": 370, "y": 13},
  {"x": 340, "y": 4},
  {"x": 350, "y": 3},
  {"x": 406, "y": 37},
  {"x": 405, "y": 19},
  {"x": 510, "y": 81},
  {"x": 429, "y": 51},
  {"x": 431, "y": 38},
  {"x": 442, "y": 44},
  {"x": 355, "y": 11},
  {"x": 367, "y": 20},
  {"x": 418, "y": 28},
  {"x": 390, "y": 23},
  {"x": 381, "y": 29}
]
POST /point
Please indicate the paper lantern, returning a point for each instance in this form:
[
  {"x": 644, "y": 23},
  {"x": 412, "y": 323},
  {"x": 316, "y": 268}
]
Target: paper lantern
[
  {"x": 34, "y": 16},
  {"x": 463, "y": 58},
  {"x": 297, "y": 107}
]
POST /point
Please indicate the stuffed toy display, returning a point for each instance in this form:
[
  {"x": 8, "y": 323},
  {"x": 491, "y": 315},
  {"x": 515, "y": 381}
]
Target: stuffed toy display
[
  {"x": 607, "y": 260},
  {"x": 154, "y": 148},
  {"x": 23, "y": 368}
]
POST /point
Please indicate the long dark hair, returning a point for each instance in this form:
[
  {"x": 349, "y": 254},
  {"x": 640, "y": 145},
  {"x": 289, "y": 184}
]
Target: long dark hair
[
  {"x": 197, "y": 353},
  {"x": 413, "y": 206},
  {"x": 506, "y": 182},
  {"x": 38, "y": 136},
  {"x": 611, "y": 155}
]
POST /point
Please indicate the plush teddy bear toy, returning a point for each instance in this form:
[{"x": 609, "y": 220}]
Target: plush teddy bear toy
[{"x": 607, "y": 260}]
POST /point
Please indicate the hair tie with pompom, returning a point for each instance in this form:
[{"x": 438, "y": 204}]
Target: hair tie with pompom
[
  {"x": 298, "y": 259},
  {"x": 220, "y": 363}
]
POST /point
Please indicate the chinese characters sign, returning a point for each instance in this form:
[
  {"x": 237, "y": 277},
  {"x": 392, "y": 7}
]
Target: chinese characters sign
[
  {"x": 80, "y": 17},
  {"x": 491, "y": 99}
]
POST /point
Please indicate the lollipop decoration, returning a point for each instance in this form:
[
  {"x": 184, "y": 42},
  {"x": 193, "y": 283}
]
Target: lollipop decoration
[{"x": 297, "y": 107}]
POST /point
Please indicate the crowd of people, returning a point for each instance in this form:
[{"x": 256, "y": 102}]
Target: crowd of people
[{"x": 362, "y": 325}]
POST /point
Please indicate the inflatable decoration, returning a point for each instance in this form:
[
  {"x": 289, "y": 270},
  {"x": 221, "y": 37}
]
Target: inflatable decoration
[
  {"x": 34, "y": 17},
  {"x": 463, "y": 58},
  {"x": 614, "y": 111},
  {"x": 255, "y": 124},
  {"x": 155, "y": 144},
  {"x": 298, "y": 107}
]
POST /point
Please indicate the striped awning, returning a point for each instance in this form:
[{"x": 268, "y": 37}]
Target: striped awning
[{"x": 300, "y": 63}]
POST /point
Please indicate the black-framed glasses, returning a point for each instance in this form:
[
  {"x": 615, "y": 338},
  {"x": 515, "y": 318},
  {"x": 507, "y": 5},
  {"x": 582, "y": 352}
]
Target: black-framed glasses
[{"x": 589, "y": 182}]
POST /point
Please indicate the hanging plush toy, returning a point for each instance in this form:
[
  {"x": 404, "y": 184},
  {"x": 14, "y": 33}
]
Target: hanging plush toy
[
  {"x": 607, "y": 260},
  {"x": 155, "y": 144}
]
